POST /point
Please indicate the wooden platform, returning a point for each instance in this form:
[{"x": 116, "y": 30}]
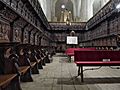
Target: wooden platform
[{"x": 60, "y": 75}]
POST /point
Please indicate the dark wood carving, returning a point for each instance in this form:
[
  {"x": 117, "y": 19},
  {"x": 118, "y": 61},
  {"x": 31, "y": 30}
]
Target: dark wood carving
[
  {"x": 8, "y": 14},
  {"x": 4, "y": 32},
  {"x": 9, "y": 66},
  {"x": 24, "y": 60}
]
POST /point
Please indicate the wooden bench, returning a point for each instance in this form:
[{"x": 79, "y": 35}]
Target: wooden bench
[
  {"x": 23, "y": 69},
  {"x": 95, "y": 58},
  {"x": 5, "y": 79},
  {"x": 38, "y": 56},
  {"x": 24, "y": 64},
  {"x": 33, "y": 61},
  {"x": 70, "y": 51},
  {"x": 42, "y": 55},
  {"x": 26, "y": 58}
]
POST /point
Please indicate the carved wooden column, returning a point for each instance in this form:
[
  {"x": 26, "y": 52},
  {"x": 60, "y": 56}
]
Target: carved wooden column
[
  {"x": 35, "y": 37},
  {"x": 30, "y": 35},
  {"x": 23, "y": 33},
  {"x": 26, "y": 36}
]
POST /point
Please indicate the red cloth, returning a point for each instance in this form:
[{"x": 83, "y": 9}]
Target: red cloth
[
  {"x": 70, "y": 51},
  {"x": 96, "y": 57}
]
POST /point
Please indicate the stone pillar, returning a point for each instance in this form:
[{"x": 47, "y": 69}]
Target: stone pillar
[{"x": 83, "y": 11}]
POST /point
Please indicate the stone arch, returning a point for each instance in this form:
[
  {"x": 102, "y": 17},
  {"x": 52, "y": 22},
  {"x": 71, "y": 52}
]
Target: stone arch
[{"x": 58, "y": 9}]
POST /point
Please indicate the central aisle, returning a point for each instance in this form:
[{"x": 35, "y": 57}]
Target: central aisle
[{"x": 59, "y": 75}]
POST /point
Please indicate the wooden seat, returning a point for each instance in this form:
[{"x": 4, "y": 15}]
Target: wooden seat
[
  {"x": 38, "y": 60},
  {"x": 23, "y": 69},
  {"x": 6, "y": 79},
  {"x": 32, "y": 64},
  {"x": 27, "y": 58}
]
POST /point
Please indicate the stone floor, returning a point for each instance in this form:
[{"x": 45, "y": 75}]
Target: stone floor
[{"x": 60, "y": 75}]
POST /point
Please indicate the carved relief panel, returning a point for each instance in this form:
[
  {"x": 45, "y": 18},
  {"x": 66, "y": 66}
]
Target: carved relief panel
[
  {"x": 36, "y": 39},
  {"x": 7, "y": 1},
  {"x": 17, "y": 34},
  {"x": 26, "y": 34},
  {"x": 32, "y": 38},
  {"x": 8, "y": 14},
  {"x": 14, "y": 4},
  {"x": 20, "y": 5},
  {"x": 4, "y": 32},
  {"x": 25, "y": 37}
]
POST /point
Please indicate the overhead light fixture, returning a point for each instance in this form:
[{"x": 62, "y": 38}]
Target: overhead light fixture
[
  {"x": 118, "y": 6},
  {"x": 63, "y": 6}
]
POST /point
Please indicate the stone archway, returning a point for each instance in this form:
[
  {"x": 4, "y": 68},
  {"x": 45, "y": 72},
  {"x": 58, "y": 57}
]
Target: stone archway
[{"x": 68, "y": 5}]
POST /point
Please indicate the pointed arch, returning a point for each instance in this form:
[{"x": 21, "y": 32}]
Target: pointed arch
[{"x": 58, "y": 9}]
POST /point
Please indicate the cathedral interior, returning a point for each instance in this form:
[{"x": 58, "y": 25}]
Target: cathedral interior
[{"x": 48, "y": 44}]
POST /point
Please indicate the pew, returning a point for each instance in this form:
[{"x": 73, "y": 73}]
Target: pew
[
  {"x": 24, "y": 70},
  {"x": 24, "y": 53},
  {"x": 24, "y": 63},
  {"x": 42, "y": 54},
  {"x": 70, "y": 51},
  {"x": 6, "y": 79},
  {"x": 95, "y": 58},
  {"x": 46, "y": 54},
  {"x": 37, "y": 56},
  {"x": 9, "y": 74},
  {"x": 33, "y": 60}
]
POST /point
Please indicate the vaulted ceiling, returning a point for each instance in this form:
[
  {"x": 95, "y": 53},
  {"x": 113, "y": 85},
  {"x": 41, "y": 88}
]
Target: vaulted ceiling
[{"x": 81, "y": 10}]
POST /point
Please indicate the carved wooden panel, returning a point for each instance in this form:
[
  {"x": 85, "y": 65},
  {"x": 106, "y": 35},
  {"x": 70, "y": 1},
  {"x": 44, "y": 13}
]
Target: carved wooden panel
[
  {"x": 17, "y": 34},
  {"x": 4, "y": 32},
  {"x": 20, "y": 23},
  {"x": 24, "y": 12},
  {"x": 31, "y": 39},
  {"x": 44, "y": 41},
  {"x": 7, "y": 1},
  {"x": 26, "y": 34},
  {"x": 25, "y": 37},
  {"x": 8, "y": 14},
  {"x": 20, "y": 7},
  {"x": 60, "y": 37},
  {"x": 29, "y": 27},
  {"x": 14, "y": 4},
  {"x": 37, "y": 39}
]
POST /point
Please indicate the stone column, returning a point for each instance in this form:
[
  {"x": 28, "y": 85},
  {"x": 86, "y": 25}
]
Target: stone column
[{"x": 83, "y": 11}]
